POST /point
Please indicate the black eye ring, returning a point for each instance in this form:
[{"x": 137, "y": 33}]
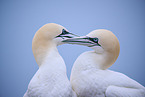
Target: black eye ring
[
  {"x": 95, "y": 39},
  {"x": 64, "y": 32}
]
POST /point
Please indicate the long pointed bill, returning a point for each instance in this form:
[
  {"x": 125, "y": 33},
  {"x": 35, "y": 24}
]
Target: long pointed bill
[
  {"x": 68, "y": 35},
  {"x": 85, "y": 40},
  {"x": 65, "y": 35}
]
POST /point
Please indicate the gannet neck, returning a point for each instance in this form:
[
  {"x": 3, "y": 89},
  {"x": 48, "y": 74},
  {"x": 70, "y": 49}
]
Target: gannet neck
[
  {"x": 110, "y": 58},
  {"x": 104, "y": 60},
  {"x": 91, "y": 60},
  {"x": 39, "y": 48},
  {"x": 53, "y": 60},
  {"x": 47, "y": 55}
]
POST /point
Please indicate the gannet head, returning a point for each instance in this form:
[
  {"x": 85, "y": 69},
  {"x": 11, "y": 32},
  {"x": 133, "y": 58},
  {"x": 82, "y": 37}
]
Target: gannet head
[
  {"x": 105, "y": 41},
  {"x": 102, "y": 41},
  {"x": 49, "y": 35}
]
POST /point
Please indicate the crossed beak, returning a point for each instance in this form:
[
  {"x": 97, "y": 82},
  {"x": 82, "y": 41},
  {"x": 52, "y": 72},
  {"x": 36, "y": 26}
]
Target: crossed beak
[
  {"x": 84, "y": 40},
  {"x": 66, "y": 35}
]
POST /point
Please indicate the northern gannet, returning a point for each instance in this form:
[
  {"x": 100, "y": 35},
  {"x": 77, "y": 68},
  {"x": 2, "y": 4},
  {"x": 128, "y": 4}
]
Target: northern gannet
[
  {"x": 90, "y": 76},
  {"x": 50, "y": 80}
]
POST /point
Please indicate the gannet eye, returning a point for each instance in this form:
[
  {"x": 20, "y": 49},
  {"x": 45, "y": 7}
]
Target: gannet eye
[
  {"x": 95, "y": 40},
  {"x": 64, "y": 32}
]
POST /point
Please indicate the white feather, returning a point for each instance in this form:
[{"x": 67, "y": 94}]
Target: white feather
[
  {"x": 50, "y": 80},
  {"x": 89, "y": 81}
]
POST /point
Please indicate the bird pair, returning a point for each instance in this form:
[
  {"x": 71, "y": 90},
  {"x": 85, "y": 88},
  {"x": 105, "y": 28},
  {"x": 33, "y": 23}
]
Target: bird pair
[{"x": 89, "y": 77}]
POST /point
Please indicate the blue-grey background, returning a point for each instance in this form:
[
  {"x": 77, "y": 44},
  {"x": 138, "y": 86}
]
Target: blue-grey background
[{"x": 19, "y": 20}]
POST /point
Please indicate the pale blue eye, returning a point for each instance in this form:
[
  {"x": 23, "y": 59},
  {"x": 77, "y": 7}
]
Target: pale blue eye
[{"x": 95, "y": 39}]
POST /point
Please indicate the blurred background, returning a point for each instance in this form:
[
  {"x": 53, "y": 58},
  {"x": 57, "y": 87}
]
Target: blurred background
[{"x": 20, "y": 19}]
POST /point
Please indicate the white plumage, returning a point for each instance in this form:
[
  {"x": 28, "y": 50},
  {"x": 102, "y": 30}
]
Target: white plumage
[
  {"x": 90, "y": 76},
  {"x": 50, "y": 80},
  {"x": 89, "y": 81}
]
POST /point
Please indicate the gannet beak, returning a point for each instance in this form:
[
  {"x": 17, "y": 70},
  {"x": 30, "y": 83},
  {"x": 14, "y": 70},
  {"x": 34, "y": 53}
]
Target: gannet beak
[
  {"x": 66, "y": 35},
  {"x": 84, "y": 40}
]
